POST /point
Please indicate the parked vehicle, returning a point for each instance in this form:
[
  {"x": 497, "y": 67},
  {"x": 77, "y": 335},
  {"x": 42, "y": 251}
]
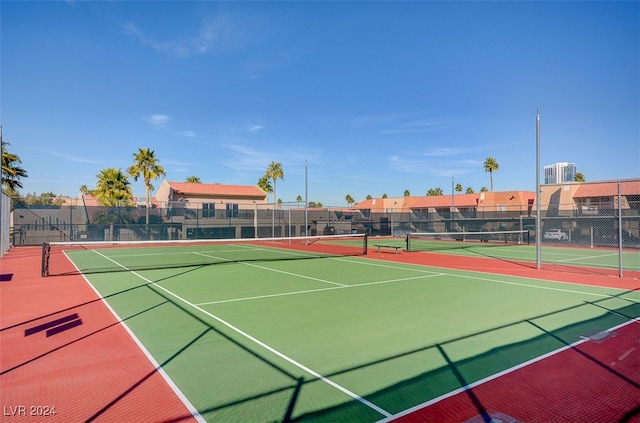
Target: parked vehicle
[{"x": 555, "y": 234}]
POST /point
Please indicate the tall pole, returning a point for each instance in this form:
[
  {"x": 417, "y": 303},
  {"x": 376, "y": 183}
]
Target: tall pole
[
  {"x": 306, "y": 201},
  {"x": 538, "y": 231},
  {"x": 452, "y": 201},
  {"x": 620, "y": 251}
]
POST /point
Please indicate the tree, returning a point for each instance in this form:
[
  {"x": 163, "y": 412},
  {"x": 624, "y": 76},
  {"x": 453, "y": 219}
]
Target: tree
[
  {"x": 146, "y": 165},
  {"x": 44, "y": 199},
  {"x": 434, "y": 192},
  {"x": 491, "y": 165},
  {"x": 298, "y": 199},
  {"x": 11, "y": 171},
  {"x": 274, "y": 172},
  {"x": 407, "y": 193},
  {"x": 483, "y": 189},
  {"x": 84, "y": 190},
  {"x": 193, "y": 180},
  {"x": 112, "y": 188},
  {"x": 579, "y": 177},
  {"x": 349, "y": 199},
  {"x": 264, "y": 184},
  {"x": 369, "y": 197},
  {"x": 469, "y": 190},
  {"x": 458, "y": 188},
  {"x": 384, "y": 195}
]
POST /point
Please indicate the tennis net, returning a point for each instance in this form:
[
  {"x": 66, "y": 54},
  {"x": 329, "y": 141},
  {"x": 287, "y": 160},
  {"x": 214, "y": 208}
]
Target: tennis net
[
  {"x": 434, "y": 241},
  {"x": 67, "y": 258}
]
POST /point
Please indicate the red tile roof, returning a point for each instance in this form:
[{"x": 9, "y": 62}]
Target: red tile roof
[
  {"x": 439, "y": 201},
  {"x": 606, "y": 189},
  {"x": 217, "y": 190},
  {"x": 443, "y": 201}
]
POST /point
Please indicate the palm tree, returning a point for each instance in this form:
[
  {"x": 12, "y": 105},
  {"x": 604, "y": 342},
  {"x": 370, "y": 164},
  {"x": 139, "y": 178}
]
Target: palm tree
[
  {"x": 458, "y": 188},
  {"x": 349, "y": 199},
  {"x": 298, "y": 199},
  {"x": 579, "y": 177},
  {"x": 483, "y": 189},
  {"x": 146, "y": 164},
  {"x": 112, "y": 188},
  {"x": 384, "y": 195},
  {"x": 369, "y": 197},
  {"x": 274, "y": 172},
  {"x": 407, "y": 193},
  {"x": 435, "y": 192},
  {"x": 469, "y": 190},
  {"x": 193, "y": 180},
  {"x": 84, "y": 190},
  {"x": 490, "y": 165},
  {"x": 11, "y": 171},
  {"x": 264, "y": 184}
]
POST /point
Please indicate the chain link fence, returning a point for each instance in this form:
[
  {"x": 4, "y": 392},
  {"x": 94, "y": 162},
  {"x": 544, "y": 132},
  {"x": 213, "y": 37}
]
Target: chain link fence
[{"x": 586, "y": 219}]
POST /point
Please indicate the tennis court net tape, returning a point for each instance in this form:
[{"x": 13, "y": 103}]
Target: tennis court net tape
[{"x": 64, "y": 258}]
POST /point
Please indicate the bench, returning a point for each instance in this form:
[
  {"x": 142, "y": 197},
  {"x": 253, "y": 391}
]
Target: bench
[{"x": 396, "y": 247}]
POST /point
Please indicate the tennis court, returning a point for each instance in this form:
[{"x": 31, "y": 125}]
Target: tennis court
[
  {"x": 320, "y": 331},
  {"x": 517, "y": 246}
]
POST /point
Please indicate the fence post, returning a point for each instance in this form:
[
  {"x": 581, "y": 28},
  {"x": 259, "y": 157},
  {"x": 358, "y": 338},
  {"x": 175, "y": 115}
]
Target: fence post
[{"x": 620, "y": 228}]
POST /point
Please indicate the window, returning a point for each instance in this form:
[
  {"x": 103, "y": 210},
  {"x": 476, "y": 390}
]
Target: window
[
  {"x": 232, "y": 210},
  {"x": 502, "y": 207},
  {"x": 208, "y": 209}
]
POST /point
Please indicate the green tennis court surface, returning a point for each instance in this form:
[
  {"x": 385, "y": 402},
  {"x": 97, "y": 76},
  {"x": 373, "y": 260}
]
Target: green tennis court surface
[
  {"x": 576, "y": 256},
  {"x": 338, "y": 338}
]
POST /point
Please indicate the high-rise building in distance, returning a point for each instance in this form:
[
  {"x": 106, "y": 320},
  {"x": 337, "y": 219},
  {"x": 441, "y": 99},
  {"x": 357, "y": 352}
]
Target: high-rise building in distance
[{"x": 558, "y": 173}]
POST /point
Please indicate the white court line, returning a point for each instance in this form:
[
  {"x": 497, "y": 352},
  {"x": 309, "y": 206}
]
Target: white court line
[
  {"x": 586, "y": 257},
  {"x": 463, "y": 274},
  {"x": 275, "y": 270},
  {"x": 489, "y": 378},
  {"x": 192, "y": 409},
  {"x": 260, "y": 343},
  {"x": 307, "y": 291}
]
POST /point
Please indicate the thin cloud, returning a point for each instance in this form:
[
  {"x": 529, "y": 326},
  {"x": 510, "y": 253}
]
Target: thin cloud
[
  {"x": 189, "y": 134},
  {"x": 256, "y": 128},
  {"x": 157, "y": 121},
  {"x": 214, "y": 34},
  {"x": 445, "y": 151},
  {"x": 431, "y": 166},
  {"x": 246, "y": 158},
  {"x": 73, "y": 158},
  {"x": 419, "y": 126},
  {"x": 404, "y": 123}
]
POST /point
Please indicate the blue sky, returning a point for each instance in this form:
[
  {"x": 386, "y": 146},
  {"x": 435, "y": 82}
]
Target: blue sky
[{"x": 376, "y": 97}]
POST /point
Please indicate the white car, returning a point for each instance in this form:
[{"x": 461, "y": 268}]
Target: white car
[{"x": 555, "y": 234}]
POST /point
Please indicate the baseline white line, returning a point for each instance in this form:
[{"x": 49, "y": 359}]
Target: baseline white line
[
  {"x": 489, "y": 378},
  {"x": 260, "y": 343}
]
